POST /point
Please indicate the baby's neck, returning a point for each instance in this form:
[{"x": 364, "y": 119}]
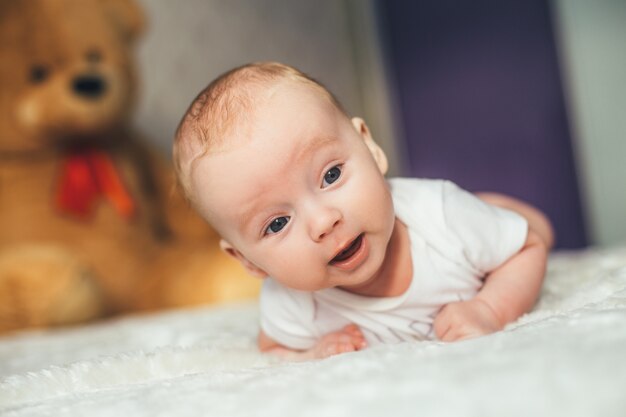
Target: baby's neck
[{"x": 395, "y": 275}]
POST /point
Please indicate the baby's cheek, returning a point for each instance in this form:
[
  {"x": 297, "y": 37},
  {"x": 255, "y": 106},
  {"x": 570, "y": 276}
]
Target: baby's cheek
[
  {"x": 295, "y": 264},
  {"x": 377, "y": 201}
]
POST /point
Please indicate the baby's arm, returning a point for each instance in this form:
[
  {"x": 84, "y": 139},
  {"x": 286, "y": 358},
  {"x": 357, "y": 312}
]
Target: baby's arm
[
  {"x": 348, "y": 339},
  {"x": 510, "y": 290}
]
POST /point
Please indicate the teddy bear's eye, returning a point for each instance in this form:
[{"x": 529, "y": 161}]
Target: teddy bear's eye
[
  {"x": 94, "y": 56},
  {"x": 39, "y": 73}
]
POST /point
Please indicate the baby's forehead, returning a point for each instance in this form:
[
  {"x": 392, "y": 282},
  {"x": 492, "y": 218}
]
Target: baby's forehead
[
  {"x": 257, "y": 162},
  {"x": 265, "y": 107},
  {"x": 231, "y": 115},
  {"x": 286, "y": 110}
]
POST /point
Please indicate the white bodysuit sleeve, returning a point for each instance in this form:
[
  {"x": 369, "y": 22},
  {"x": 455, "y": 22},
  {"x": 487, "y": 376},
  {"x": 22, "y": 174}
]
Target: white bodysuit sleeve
[
  {"x": 287, "y": 316},
  {"x": 488, "y": 235}
]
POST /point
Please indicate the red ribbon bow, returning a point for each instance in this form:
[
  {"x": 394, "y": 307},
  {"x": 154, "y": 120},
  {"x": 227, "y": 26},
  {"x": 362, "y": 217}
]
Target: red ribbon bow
[{"x": 85, "y": 177}]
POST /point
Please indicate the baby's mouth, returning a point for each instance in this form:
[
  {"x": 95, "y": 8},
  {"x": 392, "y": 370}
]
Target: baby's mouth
[{"x": 352, "y": 248}]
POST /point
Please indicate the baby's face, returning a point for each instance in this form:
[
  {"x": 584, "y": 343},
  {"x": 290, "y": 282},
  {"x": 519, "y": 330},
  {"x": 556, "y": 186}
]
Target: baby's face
[{"x": 301, "y": 197}]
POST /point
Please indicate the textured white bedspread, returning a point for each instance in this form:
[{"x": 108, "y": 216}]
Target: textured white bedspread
[{"x": 566, "y": 358}]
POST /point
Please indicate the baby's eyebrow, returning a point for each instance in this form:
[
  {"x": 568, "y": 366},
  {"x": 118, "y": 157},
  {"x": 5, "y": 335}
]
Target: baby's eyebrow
[
  {"x": 248, "y": 215},
  {"x": 303, "y": 151}
]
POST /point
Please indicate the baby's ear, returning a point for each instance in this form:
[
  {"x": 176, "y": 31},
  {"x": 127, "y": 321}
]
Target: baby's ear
[
  {"x": 249, "y": 266},
  {"x": 375, "y": 150}
]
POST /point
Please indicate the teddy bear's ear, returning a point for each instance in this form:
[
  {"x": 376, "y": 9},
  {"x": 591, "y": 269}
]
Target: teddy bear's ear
[{"x": 127, "y": 15}]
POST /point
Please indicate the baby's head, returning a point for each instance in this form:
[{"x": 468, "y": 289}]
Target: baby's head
[
  {"x": 216, "y": 116},
  {"x": 294, "y": 186}
]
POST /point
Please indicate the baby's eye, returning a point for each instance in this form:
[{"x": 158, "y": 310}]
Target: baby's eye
[
  {"x": 331, "y": 176},
  {"x": 277, "y": 225}
]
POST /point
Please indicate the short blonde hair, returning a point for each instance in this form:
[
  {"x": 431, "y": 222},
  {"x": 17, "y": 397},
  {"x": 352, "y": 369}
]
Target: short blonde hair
[{"x": 227, "y": 101}]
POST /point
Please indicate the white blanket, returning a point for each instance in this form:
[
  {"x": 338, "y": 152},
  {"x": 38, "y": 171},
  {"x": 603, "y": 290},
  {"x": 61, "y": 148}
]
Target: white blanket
[{"x": 566, "y": 358}]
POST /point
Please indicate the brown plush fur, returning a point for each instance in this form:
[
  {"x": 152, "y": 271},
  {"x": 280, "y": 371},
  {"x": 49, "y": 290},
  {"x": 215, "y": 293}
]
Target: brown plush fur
[{"x": 54, "y": 268}]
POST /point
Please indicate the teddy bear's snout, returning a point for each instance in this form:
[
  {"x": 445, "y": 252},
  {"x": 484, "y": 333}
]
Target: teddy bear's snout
[{"x": 89, "y": 86}]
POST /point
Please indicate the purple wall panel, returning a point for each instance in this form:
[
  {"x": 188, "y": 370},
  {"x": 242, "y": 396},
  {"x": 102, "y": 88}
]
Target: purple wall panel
[{"x": 481, "y": 101}]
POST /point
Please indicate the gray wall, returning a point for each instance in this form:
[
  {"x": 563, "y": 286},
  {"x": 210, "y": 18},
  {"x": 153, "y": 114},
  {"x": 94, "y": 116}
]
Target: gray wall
[
  {"x": 593, "y": 50},
  {"x": 188, "y": 43}
]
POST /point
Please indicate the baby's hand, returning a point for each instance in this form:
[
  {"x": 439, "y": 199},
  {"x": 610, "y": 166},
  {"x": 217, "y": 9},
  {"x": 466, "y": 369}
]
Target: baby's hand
[
  {"x": 464, "y": 320},
  {"x": 348, "y": 339}
]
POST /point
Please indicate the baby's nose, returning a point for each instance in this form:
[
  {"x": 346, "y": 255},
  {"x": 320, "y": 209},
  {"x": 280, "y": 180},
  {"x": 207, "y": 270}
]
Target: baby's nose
[{"x": 323, "y": 222}]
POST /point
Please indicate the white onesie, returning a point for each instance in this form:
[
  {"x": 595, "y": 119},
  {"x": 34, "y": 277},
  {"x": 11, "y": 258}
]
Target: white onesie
[{"x": 456, "y": 239}]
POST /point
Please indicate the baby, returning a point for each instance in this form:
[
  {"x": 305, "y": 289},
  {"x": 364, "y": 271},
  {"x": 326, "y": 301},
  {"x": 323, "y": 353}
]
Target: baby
[{"x": 296, "y": 190}]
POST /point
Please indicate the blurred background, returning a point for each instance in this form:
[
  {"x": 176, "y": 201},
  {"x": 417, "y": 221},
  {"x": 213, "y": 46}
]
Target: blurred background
[{"x": 521, "y": 97}]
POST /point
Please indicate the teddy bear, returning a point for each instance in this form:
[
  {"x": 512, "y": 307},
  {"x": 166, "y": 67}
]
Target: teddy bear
[{"x": 91, "y": 221}]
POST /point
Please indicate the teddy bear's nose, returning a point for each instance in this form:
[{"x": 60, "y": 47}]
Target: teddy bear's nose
[{"x": 89, "y": 86}]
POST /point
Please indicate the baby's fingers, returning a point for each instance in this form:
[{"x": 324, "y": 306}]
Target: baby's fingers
[
  {"x": 353, "y": 330},
  {"x": 356, "y": 336}
]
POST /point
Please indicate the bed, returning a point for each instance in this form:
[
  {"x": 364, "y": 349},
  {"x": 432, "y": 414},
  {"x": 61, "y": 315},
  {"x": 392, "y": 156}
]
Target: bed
[{"x": 565, "y": 358}]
